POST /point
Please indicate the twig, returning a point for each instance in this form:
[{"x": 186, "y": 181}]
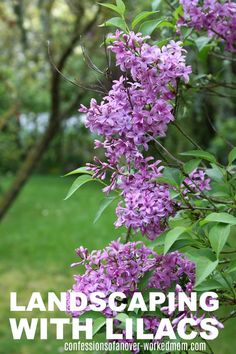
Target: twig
[
  {"x": 128, "y": 234},
  {"x": 208, "y": 345},
  {"x": 187, "y": 136},
  {"x": 172, "y": 157},
  {"x": 222, "y": 56},
  {"x": 228, "y": 252},
  {"x": 199, "y": 208},
  {"x": 219, "y": 134},
  {"x": 56, "y": 68}
]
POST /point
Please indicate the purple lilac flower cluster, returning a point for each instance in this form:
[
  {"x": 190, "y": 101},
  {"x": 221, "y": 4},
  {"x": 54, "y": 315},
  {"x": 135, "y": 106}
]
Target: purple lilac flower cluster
[
  {"x": 146, "y": 204},
  {"x": 120, "y": 267},
  {"x": 217, "y": 17},
  {"x": 138, "y": 105},
  {"x": 197, "y": 181},
  {"x": 137, "y": 108}
]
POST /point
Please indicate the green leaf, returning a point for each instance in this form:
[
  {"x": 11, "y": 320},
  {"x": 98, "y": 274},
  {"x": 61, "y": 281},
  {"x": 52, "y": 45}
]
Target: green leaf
[
  {"x": 160, "y": 240},
  {"x": 162, "y": 42},
  {"x": 164, "y": 180},
  {"x": 205, "y": 262},
  {"x": 205, "y": 253},
  {"x": 121, "y": 6},
  {"x": 232, "y": 156},
  {"x": 204, "y": 268},
  {"x": 200, "y": 154},
  {"x": 115, "y": 22},
  {"x": 179, "y": 220},
  {"x": 224, "y": 218},
  {"x": 145, "y": 279},
  {"x": 173, "y": 194},
  {"x": 201, "y": 42},
  {"x": 173, "y": 175},
  {"x": 215, "y": 173},
  {"x": 142, "y": 16},
  {"x": 220, "y": 190},
  {"x": 103, "y": 206},
  {"x": 122, "y": 317},
  {"x": 111, "y": 7},
  {"x": 79, "y": 182},
  {"x": 155, "y": 4},
  {"x": 148, "y": 27},
  {"x": 203, "y": 54},
  {"x": 191, "y": 165},
  {"x": 178, "y": 12},
  {"x": 218, "y": 236},
  {"x": 164, "y": 23},
  {"x": 208, "y": 285},
  {"x": 98, "y": 324},
  {"x": 80, "y": 170},
  {"x": 90, "y": 314},
  {"x": 186, "y": 32},
  {"x": 183, "y": 242},
  {"x": 172, "y": 236},
  {"x": 232, "y": 266}
]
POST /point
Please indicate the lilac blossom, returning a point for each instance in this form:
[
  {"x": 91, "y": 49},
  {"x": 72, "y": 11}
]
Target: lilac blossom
[
  {"x": 139, "y": 103},
  {"x": 137, "y": 108},
  {"x": 218, "y": 18},
  {"x": 146, "y": 204},
  {"x": 120, "y": 267}
]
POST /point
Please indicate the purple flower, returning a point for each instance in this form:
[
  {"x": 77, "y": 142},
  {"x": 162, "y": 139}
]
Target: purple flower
[
  {"x": 197, "y": 182},
  {"x": 120, "y": 267},
  {"x": 138, "y": 104},
  {"x": 137, "y": 108},
  {"x": 218, "y": 18}
]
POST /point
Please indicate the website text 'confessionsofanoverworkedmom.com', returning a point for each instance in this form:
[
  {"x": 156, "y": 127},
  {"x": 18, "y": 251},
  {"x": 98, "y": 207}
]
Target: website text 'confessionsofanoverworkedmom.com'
[{"x": 168, "y": 346}]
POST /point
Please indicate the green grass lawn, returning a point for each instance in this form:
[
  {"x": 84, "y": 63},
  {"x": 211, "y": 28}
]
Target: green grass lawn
[{"x": 38, "y": 238}]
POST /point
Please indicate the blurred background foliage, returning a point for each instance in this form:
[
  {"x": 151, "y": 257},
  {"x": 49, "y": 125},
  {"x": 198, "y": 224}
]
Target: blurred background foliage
[{"x": 41, "y": 132}]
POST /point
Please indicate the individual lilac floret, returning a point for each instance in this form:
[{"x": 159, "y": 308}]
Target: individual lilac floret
[{"x": 218, "y": 18}]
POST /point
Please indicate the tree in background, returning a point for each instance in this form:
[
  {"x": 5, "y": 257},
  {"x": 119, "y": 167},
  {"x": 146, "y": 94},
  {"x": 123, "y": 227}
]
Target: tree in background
[{"x": 32, "y": 25}]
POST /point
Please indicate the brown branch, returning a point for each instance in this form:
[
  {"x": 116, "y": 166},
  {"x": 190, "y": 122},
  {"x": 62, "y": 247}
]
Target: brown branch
[{"x": 6, "y": 116}]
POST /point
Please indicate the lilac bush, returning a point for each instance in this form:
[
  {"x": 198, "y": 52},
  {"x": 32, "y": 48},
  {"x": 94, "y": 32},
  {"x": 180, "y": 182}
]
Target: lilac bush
[{"x": 190, "y": 205}]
